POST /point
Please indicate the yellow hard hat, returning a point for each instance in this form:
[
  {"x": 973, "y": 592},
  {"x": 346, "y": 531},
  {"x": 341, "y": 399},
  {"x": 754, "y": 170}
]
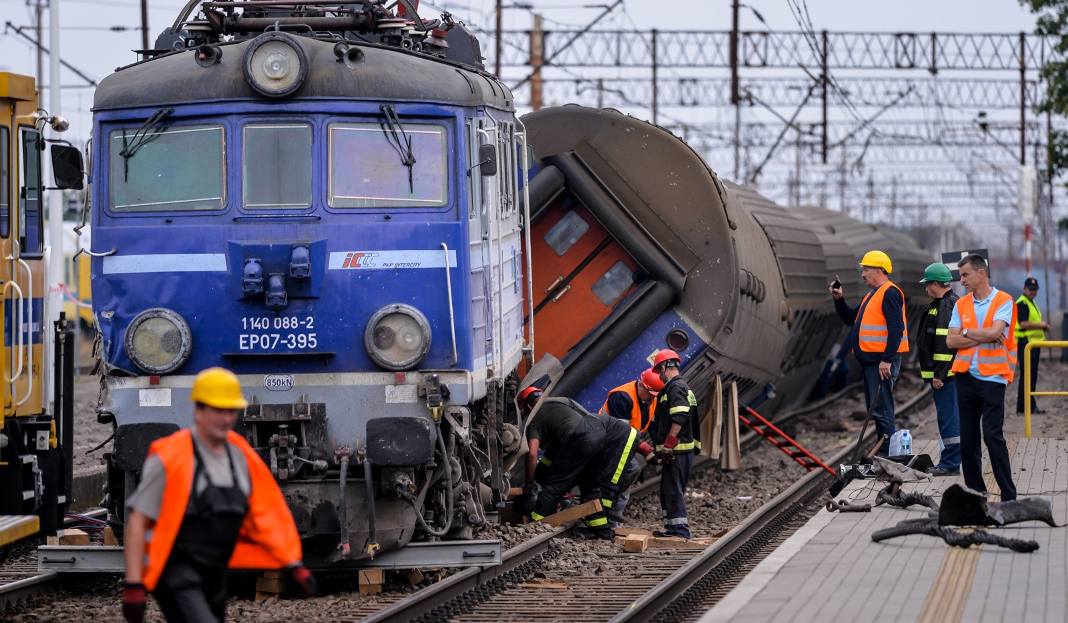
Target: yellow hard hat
[
  {"x": 219, "y": 388},
  {"x": 877, "y": 259}
]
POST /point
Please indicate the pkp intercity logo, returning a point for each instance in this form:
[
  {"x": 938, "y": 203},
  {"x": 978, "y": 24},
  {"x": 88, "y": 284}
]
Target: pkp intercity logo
[{"x": 359, "y": 259}]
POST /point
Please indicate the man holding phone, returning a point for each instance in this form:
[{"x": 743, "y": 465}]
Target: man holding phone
[{"x": 878, "y": 338}]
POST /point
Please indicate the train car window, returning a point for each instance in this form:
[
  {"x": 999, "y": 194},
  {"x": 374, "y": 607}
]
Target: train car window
[
  {"x": 613, "y": 283},
  {"x": 566, "y": 232},
  {"x": 31, "y": 221},
  {"x": 5, "y": 182},
  {"x": 368, "y": 170},
  {"x": 277, "y": 166},
  {"x": 180, "y": 169}
]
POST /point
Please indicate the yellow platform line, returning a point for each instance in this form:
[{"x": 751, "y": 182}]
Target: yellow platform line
[{"x": 949, "y": 592}]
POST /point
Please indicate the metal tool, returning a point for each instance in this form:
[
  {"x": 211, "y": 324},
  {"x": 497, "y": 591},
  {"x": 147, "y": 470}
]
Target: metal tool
[{"x": 846, "y": 506}]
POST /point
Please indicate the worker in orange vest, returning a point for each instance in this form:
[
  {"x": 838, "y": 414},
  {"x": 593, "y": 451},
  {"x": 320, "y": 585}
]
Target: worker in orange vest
[
  {"x": 633, "y": 402},
  {"x": 982, "y": 331},
  {"x": 878, "y": 338},
  {"x": 209, "y": 502}
]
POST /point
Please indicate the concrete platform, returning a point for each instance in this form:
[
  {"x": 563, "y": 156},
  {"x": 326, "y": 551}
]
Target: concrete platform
[{"x": 830, "y": 570}]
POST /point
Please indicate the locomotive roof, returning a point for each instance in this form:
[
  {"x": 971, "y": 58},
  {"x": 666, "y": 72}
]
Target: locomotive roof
[{"x": 383, "y": 73}]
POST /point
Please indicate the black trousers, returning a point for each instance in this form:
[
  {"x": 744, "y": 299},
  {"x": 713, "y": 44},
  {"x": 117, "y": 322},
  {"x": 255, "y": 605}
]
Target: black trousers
[
  {"x": 1020, "y": 344},
  {"x": 982, "y": 417},
  {"x": 187, "y": 593},
  {"x": 673, "y": 481},
  {"x": 570, "y": 467}
]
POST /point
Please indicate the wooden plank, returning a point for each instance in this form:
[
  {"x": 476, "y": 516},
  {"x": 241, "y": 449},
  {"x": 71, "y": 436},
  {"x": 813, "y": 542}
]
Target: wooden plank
[
  {"x": 674, "y": 542},
  {"x": 415, "y": 577},
  {"x": 636, "y": 543},
  {"x": 109, "y": 536},
  {"x": 732, "y": 450},
  {"x": 73, "y": 536},
  {"x": 371, "y": 581},
  {"x": 625, "y": 531},
  {"x": 712, "y": 425},
  {"x": 271, "y": 582},
  {"x": 572, "y": 513}
]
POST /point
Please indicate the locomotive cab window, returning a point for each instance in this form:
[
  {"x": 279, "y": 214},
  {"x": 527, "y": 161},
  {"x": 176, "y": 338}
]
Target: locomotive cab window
[
  {"x": 31, "y": 221},
  {"x": 374, "y": 165},
  {"x": 277, "y": 166},
  {"x": 178, "y": 169}
]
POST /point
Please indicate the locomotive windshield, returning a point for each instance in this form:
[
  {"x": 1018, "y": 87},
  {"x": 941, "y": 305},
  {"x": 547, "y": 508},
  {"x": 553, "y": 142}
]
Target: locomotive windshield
[
  {"x": 366, "y": 172},
  {"x": 181, "y": 168},
  {"x": 277, "y": 163}
]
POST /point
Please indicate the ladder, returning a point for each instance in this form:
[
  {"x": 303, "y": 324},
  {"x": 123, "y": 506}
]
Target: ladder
[{"x": 786, "y": 444}]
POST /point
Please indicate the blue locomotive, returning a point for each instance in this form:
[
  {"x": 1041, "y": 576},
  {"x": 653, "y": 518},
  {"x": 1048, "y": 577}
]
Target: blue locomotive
[
  {"x": 331, "y": 199},
  {"x": 328, "y": 203}
]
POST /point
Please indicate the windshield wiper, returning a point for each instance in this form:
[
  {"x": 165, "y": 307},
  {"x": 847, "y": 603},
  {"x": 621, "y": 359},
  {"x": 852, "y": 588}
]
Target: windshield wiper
[
  {"x": 149, "y": 131},
  {"x": 399, "y": 139}
]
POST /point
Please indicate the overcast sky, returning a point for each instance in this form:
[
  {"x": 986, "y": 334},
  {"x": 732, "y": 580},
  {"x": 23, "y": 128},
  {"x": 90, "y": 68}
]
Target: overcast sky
[{"x": 87, "y": 44}]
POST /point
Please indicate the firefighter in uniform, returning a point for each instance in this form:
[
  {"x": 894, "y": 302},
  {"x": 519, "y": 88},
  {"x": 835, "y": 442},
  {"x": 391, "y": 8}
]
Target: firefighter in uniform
[
  {"x": 580, "y": 449},
  {"x": 632, "y": 402},
  {"x": 674, "y": 437},
  {"x": 935, "y": 359},
  {"x": 982, "y": 332},
  {"x": 206, "y": 502},
  {"x": 878, "y": 338},
  {"x": 1029, "y": 328}
]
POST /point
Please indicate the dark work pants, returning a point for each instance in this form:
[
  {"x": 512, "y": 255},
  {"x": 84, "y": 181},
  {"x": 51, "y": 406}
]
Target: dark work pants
[
  {"x": 673, "y": 481},
  {"x": 630, "y": 475},
  {"x": 618, "y": 467},
  {"x": 883, "y": 410},
  {"x": 189, "y": 594},
  {"x": 945, "y": 400},
  {"x": 1020, "y": 344},
  {"x": 982, "y": 417}
]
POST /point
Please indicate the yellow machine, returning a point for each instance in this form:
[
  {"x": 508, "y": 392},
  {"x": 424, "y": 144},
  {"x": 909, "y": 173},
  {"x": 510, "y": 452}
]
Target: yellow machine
[{"x": 36, "y": 431}]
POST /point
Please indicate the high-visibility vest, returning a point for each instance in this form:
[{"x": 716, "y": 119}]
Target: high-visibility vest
[
  {"x": 871, "y": 335},
  {"x": 1033, "y": 315},
  {"x": 268, "y": 537},
  {"x": 995, "y": 358},
  {"x": 631, "y": 389}
]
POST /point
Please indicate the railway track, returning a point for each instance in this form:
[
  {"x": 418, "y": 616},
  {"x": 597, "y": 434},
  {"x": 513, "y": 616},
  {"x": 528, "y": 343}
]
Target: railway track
[
  {"x": 644, "y": 584},
  {"x": 671, "y": 585}
]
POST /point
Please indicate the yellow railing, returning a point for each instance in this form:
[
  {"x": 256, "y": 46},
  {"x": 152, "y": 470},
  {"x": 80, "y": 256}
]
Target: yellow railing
[{"x": 1027, "y": 379}]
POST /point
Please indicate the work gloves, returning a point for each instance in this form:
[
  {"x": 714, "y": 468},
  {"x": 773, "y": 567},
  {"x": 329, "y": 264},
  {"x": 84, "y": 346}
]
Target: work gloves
[
  {"x": 304, "y": 579},
  {"x": 667, "y": 453},
  {"x": 133, "y": 602}
]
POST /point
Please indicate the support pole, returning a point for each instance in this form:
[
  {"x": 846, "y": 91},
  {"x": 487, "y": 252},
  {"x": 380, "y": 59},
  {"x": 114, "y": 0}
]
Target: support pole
[
  {"x": 38, "y": 9},
  {"x": 497, "y": 40},
  {"x": 735, "y": 95},
  {"x": 1023, "y": 99},
  {"x": 537, "y": 56},
  {"x": 656, "y": 91},
  {"x": 823, "y": 85},
  {"x": 144, "y": 24}
]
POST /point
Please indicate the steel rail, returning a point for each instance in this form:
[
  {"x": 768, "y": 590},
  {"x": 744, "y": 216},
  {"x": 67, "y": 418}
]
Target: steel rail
[{"x": 678, "y": 583}]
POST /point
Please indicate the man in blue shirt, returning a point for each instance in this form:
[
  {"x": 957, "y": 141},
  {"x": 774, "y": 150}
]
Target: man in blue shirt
[{"x": 983, "y": 368}]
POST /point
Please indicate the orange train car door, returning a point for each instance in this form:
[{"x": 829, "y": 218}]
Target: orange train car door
[{"x": 580, "y": 275}]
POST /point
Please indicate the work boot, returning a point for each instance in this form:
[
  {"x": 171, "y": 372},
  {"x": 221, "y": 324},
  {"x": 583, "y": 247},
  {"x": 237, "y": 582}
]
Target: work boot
[
  {"x": 584, "y": 533},
  {"x": 682, "y": 533},
  {"x": 941, "y": 470}
]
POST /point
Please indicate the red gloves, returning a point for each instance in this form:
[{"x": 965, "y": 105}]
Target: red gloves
[
  {"x": 133, "y": 602},
  {"x": 304, "y": 578},
  {"x": 670, "y": 442},
  {"x": 645, "y": 449}
]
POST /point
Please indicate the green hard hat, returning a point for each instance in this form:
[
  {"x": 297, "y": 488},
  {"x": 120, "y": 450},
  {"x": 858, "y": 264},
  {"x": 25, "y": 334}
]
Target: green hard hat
[{"x": 938, "y": 272}]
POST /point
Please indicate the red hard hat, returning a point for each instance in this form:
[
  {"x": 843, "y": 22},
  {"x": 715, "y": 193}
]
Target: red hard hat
[
  {"x": 528, "y": 392},
  {"x": 666, "y": 355},
  {"x": 651, "y": 381}
]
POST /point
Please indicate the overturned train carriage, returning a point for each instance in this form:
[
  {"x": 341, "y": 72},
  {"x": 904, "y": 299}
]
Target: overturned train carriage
[
  {"x": 635, "y": 233},
  {"x": 350, "y": 248}
]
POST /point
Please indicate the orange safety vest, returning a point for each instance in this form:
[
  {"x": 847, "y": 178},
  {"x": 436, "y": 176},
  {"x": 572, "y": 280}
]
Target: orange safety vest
[
  {"x": 268, "y": 537},
  {"x": 871, "y": 336},
  {"x": 995, "y": 358},
  {"x": 631, "y": 389}
]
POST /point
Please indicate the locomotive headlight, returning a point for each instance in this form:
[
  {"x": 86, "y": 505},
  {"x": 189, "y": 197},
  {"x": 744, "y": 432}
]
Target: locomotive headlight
[
  {"x": 397, "y": 337},
  {"x": 158, "y": 341},
  {"x": 275, "y": 64}
]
